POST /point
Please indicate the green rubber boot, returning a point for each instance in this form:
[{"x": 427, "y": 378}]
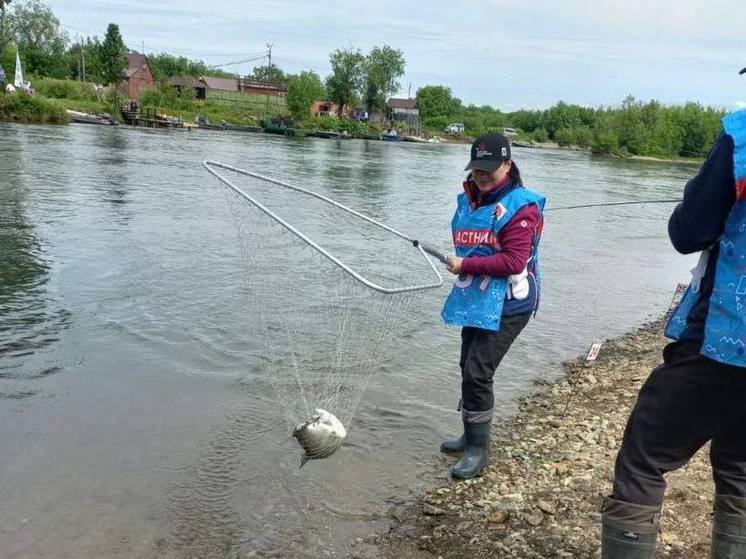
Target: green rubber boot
[
  {"x": 454, "y": 446},
  {"x": 476, "y": 450},
  {"x": 629, "y": 531},
  {"x": 729, "y": 528}
]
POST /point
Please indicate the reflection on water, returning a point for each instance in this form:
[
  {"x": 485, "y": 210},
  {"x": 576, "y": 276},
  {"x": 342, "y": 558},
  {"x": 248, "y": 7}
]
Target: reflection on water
[{"x": 30, "y": 320}]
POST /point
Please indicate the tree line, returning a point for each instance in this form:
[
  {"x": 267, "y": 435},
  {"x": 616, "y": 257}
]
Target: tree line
[
  {"x": 635, "y": 128},
  {"x": 366, "y": 79}
]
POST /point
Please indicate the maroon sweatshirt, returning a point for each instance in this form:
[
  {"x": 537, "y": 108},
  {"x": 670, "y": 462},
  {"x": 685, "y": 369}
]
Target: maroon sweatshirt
[{"x": 514, "y": 239}]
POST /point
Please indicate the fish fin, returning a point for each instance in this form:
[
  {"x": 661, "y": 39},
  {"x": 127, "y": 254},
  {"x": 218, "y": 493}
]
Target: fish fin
[{"x": 303, "y": 461}]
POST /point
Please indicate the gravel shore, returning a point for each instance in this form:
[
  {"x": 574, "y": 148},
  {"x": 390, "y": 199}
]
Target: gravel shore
[{"x": 551, "y": 465}]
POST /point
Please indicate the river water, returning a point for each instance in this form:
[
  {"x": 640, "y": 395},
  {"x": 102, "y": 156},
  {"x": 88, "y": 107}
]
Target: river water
[{"x": 136, "y": 421}]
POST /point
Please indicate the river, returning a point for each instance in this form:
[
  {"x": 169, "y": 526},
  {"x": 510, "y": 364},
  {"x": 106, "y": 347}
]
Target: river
[{"x": 135, "y": 420}]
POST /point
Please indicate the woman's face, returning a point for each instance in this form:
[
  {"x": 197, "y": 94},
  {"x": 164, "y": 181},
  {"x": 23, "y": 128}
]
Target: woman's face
[{"x": 485, "y": 180}]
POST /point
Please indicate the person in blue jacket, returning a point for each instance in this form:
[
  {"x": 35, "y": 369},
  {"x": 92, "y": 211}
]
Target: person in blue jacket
[
  {"x": 698, "y": 394},
  {"x": 496, "y": 231}
]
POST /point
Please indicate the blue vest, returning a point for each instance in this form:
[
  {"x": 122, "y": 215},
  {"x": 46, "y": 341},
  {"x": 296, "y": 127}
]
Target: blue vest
[
  {"x": 725, "y": 327},
  {"x": 478, "y": 300}
]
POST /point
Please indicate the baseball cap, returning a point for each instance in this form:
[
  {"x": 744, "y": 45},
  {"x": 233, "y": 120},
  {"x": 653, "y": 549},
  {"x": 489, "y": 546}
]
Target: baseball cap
[{"x": 488, "y": 152}]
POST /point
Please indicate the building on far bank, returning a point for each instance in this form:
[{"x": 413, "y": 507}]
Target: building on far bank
[
  {"x": 404, "y": 110},
  {"x": 256, "y": 87},
  {"x": 186, "y": 83},
  {"x": 325, "y": 108},
  {"x": 137, "y": 75}
]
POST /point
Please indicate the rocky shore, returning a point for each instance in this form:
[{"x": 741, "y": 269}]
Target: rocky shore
[{"x": 551, "y": 465}]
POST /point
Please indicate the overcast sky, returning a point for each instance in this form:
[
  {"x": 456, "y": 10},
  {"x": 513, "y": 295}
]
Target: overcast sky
[{"x": 506, "y": 54}]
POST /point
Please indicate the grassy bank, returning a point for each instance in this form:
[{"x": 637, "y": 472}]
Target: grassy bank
[
  {"x": 20, "y": 107},
  {"x": 551, "y": 466}
]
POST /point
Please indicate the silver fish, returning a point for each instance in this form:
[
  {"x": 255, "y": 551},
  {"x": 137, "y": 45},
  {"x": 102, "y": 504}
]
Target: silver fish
[{"x": 320, "y": 436}]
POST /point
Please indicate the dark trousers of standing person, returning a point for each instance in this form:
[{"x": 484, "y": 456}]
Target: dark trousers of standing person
[
  {"x": 481, "y": 354},
  {"x": 686, "y": 402}
]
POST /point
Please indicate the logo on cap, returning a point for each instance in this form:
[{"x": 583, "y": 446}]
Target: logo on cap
[{"x": 482, "y": 150}]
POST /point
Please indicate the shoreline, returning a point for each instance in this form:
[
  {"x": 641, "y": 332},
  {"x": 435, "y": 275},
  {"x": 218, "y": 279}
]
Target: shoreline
[
  {"x": 552, "y": 145},
  {"x": 550, "y": 467},
  {"x": 440, "y": 139}
]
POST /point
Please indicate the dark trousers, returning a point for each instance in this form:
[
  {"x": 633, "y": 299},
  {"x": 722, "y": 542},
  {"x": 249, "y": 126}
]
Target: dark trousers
[
  {"x": 686, "y": 402},
  {"x": 481, "y": 353}
]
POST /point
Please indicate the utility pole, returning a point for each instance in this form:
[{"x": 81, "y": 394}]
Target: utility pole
[
  {"x": 80, "y": 74},
  {"x": 82, "y": 56},
  {"x": 269, "y": 69}
]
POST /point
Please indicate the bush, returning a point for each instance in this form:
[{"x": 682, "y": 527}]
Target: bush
[
  {"x": 581, "y": 137},
  {"x": 21, "y": 107},
  {"x": 65, "y": 89},
  {"x": 605, "y": 142},
  {"x": 437, "y": 122},
  {"x": 168, "y": 97},
  {"x": 540, "y": 135}
]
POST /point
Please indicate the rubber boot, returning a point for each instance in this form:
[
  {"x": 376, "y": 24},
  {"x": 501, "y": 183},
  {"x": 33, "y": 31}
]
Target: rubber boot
[
  {"x": 729, "y": 528},
  {"x": 454, "y": 446},
  {"x": 629, "y": 531},
  {"x": 477, "y": 439}
]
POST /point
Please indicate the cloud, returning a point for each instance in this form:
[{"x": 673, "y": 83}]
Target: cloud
[{"x": 494, "y": 52}]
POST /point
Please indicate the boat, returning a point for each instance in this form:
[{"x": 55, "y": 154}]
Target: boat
[
  {"x": 85, "y": 118},
  {"x": 389, "y": 137},
  {"x": 230, "y": 127},
  {"x": 520, "y": 144},
  {"x": 18, "y": 82},
  {"x": 415, "y": 139},
  {"x": 330, "y": 135}
]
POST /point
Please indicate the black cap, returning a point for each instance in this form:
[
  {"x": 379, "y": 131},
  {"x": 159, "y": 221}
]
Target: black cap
[{"x": 488, "y": 152}]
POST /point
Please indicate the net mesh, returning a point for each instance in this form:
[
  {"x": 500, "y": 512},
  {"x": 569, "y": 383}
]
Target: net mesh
[{"x": 319, "y": 332}]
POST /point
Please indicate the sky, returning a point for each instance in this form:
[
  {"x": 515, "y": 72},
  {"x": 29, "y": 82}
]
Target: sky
[{"x": 506, "y": 54}]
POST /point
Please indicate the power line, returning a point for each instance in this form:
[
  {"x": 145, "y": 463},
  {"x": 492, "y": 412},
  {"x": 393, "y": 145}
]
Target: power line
[{"x": 237, "y": 62}]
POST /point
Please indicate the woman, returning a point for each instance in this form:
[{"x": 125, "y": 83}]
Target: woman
[{"x": 496, "y": 231}]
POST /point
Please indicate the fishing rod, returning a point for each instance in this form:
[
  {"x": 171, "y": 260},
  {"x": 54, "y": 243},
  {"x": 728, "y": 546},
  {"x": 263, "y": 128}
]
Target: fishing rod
[
  {"x": 606, "y": 204},
  {"x": 444, "y": 258}
]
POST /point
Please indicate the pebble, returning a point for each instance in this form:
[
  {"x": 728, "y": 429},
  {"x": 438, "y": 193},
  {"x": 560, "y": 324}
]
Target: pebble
[
  {"x": 430, "y": 510},
  {"x": 498, "y": 517}
]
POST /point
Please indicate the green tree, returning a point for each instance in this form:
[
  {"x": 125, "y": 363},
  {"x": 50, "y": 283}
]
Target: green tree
[
  {"x": 113, "y": 59},
  {"x": 436, "y": 100},
  {"x": 346, "y": 79},
  {"x": 40, "y": 41},
  {"x": 6, "y": 28},
  {"x": 528, "y": 121},
  {"x": 165, "y": 66},
  {"x": 37, "y": 27},
  {"x": 383, "y": 68},
  {"x": 86, "y": 53},
  {"x": 270, "y": 74},
  {"x": 303, "y": 90},
  {"x": 540, "y": 135}
]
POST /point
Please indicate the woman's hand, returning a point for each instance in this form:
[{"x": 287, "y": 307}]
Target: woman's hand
[{"x": 453, "y": 264}]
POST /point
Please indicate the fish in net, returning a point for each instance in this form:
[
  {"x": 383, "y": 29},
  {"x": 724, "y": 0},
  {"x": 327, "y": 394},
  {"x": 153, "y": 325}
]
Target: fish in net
[{"x": 327, "y": 288}]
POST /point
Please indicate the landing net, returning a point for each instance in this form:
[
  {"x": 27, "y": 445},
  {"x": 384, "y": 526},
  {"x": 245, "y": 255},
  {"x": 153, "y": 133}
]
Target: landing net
[{"x": 328, "y": 289}]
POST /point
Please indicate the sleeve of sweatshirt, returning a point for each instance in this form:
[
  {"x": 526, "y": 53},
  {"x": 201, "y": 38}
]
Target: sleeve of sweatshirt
[
  {"x": 698, "y": 221},
  {"x": 515, "y": 239}
]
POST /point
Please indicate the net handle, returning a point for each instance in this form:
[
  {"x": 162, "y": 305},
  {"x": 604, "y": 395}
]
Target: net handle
[{"x": 372, "y": 285}]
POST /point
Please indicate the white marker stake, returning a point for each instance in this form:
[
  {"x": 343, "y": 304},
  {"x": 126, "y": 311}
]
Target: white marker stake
[{"x": 593, "y": 353}]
